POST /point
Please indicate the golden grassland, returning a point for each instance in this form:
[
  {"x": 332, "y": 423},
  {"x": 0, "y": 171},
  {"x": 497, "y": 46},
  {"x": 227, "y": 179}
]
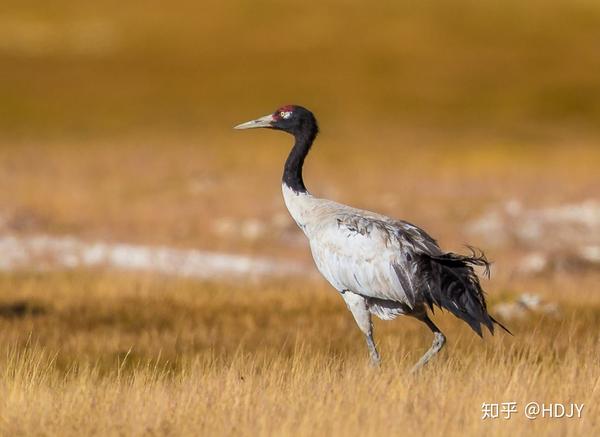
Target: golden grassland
[
  {"x": 98, "y": 353},
  {"x": 115, "y": 125},
  {"x": 104, "y": 353}
]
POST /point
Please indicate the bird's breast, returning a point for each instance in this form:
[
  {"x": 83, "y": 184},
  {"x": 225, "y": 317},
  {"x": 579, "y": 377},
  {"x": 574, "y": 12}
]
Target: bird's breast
[{"x": 303, "y": 207}]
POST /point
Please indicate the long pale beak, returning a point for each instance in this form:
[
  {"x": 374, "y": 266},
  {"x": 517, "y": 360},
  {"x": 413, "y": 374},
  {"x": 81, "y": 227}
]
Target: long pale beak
[{"x": 259, "y": 122}]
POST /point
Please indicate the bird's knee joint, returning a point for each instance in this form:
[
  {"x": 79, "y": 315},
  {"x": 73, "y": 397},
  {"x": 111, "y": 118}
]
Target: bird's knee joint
[{"x": 440, "y": 339}]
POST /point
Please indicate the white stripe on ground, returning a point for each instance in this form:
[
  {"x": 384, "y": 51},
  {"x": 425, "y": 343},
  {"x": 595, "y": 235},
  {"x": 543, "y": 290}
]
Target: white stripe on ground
[{"x": 44, "y": 252}]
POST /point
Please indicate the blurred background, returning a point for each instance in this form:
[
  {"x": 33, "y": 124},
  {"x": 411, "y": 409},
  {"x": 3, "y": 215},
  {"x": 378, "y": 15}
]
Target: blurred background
[
  {"x": 115, "y": 118},
  {"x": 99, "y": 69},
  {"x": 137, "y": 228},
  {"x": 477, "y": 120}
]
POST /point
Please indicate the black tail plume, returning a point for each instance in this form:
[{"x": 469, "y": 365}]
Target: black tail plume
[{"x": 450, "y": 282}]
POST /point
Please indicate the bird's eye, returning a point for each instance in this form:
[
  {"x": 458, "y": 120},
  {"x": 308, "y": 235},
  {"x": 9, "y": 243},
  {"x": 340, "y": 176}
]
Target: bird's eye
[{"x": 285, "y": 114}]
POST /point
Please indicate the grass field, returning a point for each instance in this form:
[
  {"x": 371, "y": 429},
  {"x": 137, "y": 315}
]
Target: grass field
[
  {"x": 115, "y": 126},
  {"x": 116, "y": 354}
]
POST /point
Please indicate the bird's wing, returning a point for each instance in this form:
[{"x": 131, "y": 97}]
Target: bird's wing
[{"x": 370, "y": 254}]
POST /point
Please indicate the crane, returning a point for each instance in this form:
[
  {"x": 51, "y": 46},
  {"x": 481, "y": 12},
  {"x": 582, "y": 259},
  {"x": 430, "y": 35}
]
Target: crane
[{"x": 378, "y": 264}]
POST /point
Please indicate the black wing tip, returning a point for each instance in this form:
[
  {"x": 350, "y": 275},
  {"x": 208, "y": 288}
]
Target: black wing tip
[
  {"x": 489, "y": 324},
  {"x": 501, "y": 325}
]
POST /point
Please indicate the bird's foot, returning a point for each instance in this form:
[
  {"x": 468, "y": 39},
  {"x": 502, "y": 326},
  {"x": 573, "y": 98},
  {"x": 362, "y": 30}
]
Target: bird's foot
[
  {"x": 438, "y": 342},
  {"x": 417, "y": 367},
  {"x": 375, "y": 361}
]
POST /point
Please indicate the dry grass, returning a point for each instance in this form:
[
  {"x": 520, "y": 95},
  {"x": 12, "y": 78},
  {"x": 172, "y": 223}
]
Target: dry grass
[
  {"x": 96, "y": 354},
  {"x": 115, "y": 125}
]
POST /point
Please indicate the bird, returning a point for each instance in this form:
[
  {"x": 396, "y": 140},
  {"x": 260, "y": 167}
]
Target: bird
[{"x": 379, "y": 265}]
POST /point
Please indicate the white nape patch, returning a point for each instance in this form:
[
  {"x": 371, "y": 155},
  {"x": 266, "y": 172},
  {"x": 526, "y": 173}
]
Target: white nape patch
[
  {"x": 45, "y": 253},
  {"x": 285, "y": 114}
]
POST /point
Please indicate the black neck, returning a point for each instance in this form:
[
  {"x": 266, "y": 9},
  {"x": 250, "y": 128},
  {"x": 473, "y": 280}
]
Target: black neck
[{"x": 292, "y": 173}]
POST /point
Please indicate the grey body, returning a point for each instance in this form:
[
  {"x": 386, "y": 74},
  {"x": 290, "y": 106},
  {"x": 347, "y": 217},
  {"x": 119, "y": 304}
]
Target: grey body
[{"x": 369, "y": 258}]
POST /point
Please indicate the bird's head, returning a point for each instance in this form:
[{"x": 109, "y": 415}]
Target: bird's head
[{"x": 292, "y": 119}]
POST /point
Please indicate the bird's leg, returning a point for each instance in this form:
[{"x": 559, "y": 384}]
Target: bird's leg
[
  {"x": 438, "y": 342},
  {"x": 373, "y": 354},
  {"x": 360, "y": 310}
]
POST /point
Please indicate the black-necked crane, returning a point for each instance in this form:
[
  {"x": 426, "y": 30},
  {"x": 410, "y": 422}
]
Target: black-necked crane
[{"x": 379, "y": 265}]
